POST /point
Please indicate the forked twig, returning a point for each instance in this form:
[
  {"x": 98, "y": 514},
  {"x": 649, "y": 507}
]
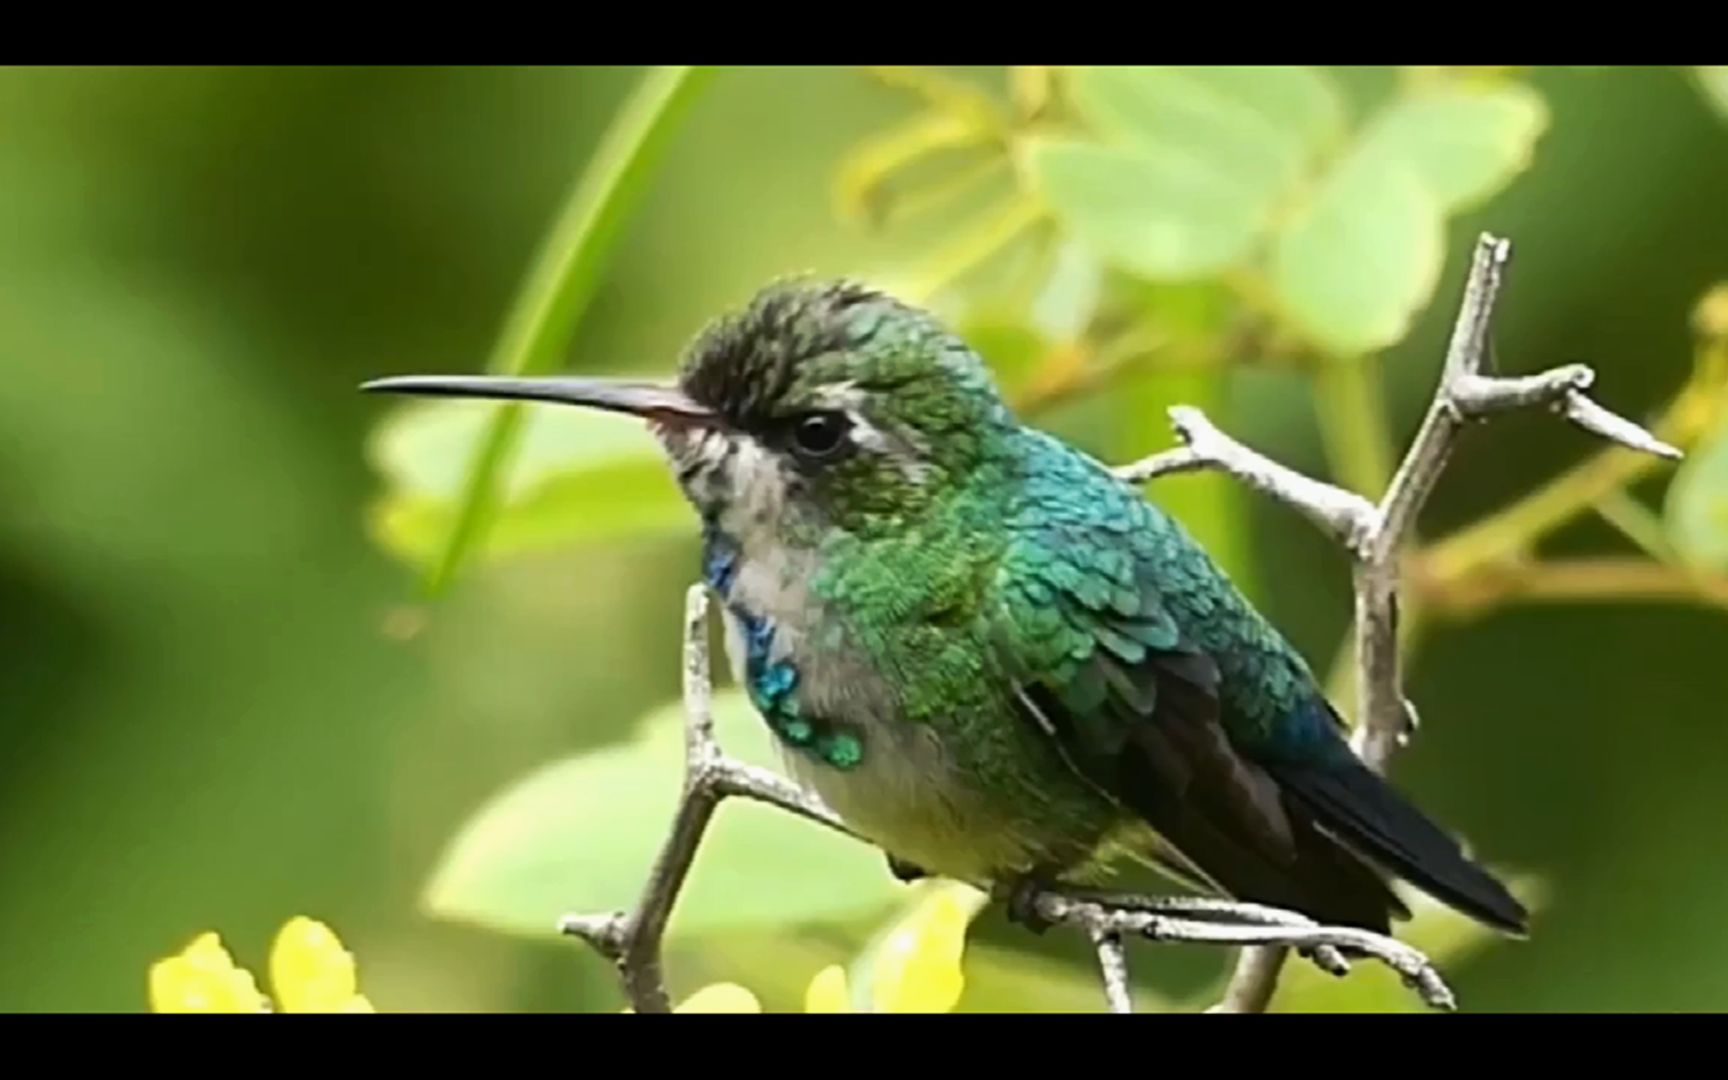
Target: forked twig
[{"x": 1376, "y": 534}]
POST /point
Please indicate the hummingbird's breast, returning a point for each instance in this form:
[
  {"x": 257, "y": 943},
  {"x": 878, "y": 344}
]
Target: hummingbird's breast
[{"x": 875, "y": 715}]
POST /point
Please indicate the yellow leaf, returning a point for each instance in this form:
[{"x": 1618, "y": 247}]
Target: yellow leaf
[
  {"x": 203, "y": 979},
  {"x": 828, "y": 992},
  {"x": 310, "y": 970}
]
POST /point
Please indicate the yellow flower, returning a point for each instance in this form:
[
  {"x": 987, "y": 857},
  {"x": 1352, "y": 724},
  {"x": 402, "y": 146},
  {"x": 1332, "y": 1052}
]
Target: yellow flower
[
  {"x": 720, "y": 998},
  {"x": 310, "y": 972},
  {"x": 914, "y": 968},
  {"x": 203, "y": 979},
  {"x": 827, "y": 992},
  {"x": 918, "y": 968}
]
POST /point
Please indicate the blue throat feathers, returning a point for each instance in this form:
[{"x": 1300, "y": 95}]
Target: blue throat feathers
[{"x": 772, "y": 684}]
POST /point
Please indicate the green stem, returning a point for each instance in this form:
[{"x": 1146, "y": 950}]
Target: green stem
[
  {"x": 561, "y": 282},
  {"x": 975, "y": 246},
  {"x": 1637, "y": 522},
  {"x": 1353, "y": 423},
  {"x": 1353, "y": 429}
]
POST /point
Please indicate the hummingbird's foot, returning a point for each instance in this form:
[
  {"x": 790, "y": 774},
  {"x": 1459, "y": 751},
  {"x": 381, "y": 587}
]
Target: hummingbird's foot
[
  {"x": 905, "y": 871},
  {"x": 1023, "y": 904}
]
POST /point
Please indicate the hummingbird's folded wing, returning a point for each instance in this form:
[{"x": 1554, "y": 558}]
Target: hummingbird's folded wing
[{"x": 1083, "y": 626}]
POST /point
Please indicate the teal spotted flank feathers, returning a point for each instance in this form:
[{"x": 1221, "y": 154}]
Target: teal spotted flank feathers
[{"x": 985, "y": 652}]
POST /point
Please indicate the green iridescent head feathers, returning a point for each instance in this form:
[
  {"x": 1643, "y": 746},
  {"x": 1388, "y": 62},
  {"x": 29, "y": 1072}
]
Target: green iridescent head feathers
[{"x": 873, "y": 404}]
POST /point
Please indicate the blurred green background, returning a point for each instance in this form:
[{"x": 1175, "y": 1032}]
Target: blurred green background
[{"x": 226, "y": 703}]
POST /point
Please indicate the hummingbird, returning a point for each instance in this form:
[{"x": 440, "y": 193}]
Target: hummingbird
[{"x": 989, "y": 655}]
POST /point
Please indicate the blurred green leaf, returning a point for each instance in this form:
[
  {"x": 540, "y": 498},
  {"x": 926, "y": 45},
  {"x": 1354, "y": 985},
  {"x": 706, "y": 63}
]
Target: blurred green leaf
[
  {"x": 1196, "y": 161},
  {"x": 1189, "y": 319},
  {"x": 1156, "y": 213},
  {"x": 1466, "y": 140},
  {"x": 1012, "y": 347},
  {"x": 1362, "y": 257},
  {"x": 1070, "y": 295},
  {"x": 578, "y": 474},
  {"x": 1251, "y": 127},
  {"x": 1697, "y": 505},
  {"x": 1447, "y": 938},
  {"x": 581, "y": 834},
  {"x": 1713, "y": 81}
]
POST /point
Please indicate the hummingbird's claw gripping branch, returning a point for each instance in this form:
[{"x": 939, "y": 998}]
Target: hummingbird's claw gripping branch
[
  {"x": 1107, "y": 919},
  {"x": 632, "y": 939},
  {"x": 1374, "y": 535}
]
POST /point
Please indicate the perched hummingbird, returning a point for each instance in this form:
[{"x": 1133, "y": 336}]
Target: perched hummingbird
[{"x": 985, "y": 652}]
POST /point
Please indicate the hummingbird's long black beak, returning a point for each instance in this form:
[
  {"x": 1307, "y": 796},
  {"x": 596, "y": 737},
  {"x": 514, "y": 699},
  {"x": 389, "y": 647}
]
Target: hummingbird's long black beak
[{"x": 651, "y": 401}]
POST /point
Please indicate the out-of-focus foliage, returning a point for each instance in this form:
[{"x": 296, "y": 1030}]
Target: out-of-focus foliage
[
  {"x": 1201, "y": 167},
  {"x": 1698, "y": 505},
  {"x": 224, "y": 697},
  {"x": 599, "y": 478},
  {"x": 552, "y": 844},
  {"x": 1698, "y": 498},
  {"x": 1714, "y": 82}
]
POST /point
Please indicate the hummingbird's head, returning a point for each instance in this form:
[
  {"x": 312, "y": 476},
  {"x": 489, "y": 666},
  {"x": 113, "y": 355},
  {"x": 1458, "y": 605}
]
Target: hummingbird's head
[
  {"x": 818, "y": 404},
  {"x": 835, "y": 402}
]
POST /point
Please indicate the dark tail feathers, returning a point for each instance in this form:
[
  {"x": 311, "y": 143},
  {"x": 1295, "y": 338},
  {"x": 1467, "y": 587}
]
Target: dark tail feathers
[{"x": 1358, "y": 807}]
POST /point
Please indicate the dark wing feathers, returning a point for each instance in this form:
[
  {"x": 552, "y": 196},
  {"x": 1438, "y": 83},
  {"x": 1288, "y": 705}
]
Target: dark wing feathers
[
  {"x": 1101, "y": 665},
  {"x": 1370, "y": 815},
  {"x": 1161, "y": 751},
  {"x": 1271, "y": 807}
]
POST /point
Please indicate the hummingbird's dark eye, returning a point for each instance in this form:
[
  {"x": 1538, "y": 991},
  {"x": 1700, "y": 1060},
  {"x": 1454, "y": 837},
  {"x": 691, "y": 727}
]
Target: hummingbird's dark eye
[{"x": 819, "y": 435}]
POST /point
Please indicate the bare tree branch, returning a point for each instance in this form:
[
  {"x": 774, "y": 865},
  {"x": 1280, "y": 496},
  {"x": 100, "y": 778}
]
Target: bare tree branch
[
  {"x": 1375, "y": 535},
  {"x": 1344, "y": 515}
]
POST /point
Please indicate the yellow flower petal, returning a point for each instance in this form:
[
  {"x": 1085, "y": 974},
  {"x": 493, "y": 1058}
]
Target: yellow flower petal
[
  {"x": 721, "y": 998},
  {"x": 310, "y": 971},
  {"x": 203, "y": 979},
  {"x": 827, "y": 992},
  {"x": 918, "y": 969}
]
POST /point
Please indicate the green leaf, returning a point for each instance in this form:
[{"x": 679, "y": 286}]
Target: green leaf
[
  {"x": 1713, "y": 82},
  {"x": 578, "y": 475},
  {"x": 1254, "y": 127},
  {"x": 1362, "y": 257},
  {"x": 580, "y": 835},
  {"x": 1697, "y": 505},
  {"x": 1196, "y": 162},
  {"x": 556, "y": 292},
  {"x": 1012, "y": 347},
  {"x": 1155, "y": 213},
  {"x": 1466, "y": 141}
]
